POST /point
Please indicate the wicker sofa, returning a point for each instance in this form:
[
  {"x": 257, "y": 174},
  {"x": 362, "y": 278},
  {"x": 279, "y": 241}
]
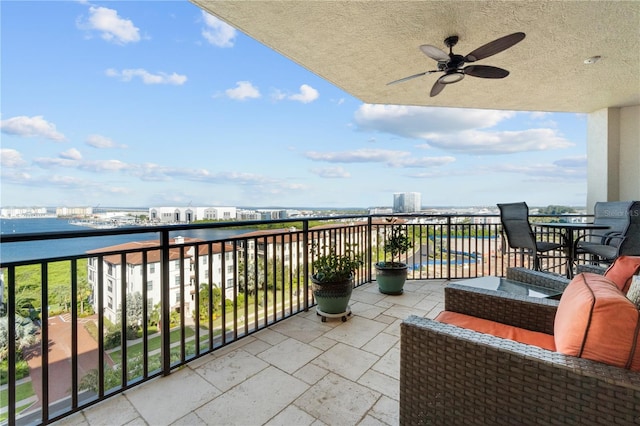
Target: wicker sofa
[{"x": 452, "y": 375}]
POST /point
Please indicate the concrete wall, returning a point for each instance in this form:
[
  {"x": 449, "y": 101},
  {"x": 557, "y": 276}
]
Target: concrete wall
[
  {"x": 613, "y": 155},
  {"x": 630, "y": 153}
]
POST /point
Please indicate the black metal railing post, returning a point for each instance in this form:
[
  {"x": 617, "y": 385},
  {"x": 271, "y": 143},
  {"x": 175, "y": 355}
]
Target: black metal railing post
[
  {"x": 123, "y": 321},
  {"x": 369, "y": 251},
  {"x": 74, "y": 333},
  {"x": 448, "y": 247},
  {"x": 101, "y": 354},
  {"x": 44, "y": 338},
  {"x": 145, "y": 317},
  {"x": 305, "y": 262},
  {"x": 165, "y": 329},
  {"x": 11, "y": 340}
]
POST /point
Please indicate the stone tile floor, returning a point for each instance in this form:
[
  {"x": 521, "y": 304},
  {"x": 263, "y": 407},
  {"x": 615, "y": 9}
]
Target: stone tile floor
[{"x": 300, "y": 371}]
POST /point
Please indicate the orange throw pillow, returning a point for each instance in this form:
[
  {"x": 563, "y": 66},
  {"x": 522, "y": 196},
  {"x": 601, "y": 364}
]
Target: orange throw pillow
[
  {"x": 622, "y": 270},
  {"x": 596, "y": 321}
]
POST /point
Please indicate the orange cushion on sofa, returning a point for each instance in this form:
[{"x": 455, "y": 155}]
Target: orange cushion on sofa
[
  {"x": 622, "y": 270},
  {"x": 497, "y": 329},
  {"x": 596, "y": 321}
]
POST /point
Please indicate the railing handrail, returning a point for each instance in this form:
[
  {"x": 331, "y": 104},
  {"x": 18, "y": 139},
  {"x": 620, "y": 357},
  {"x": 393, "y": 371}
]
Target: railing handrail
[{"x": 431, "y": 257}]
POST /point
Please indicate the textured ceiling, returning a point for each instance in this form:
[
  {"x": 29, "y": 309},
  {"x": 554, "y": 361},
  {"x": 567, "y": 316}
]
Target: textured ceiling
[{"x": 360, "y": 46}]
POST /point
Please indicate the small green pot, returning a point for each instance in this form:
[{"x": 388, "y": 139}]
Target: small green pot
[
  {"x": 391, "y": 277},
  {"x": 332, "y": 298}
]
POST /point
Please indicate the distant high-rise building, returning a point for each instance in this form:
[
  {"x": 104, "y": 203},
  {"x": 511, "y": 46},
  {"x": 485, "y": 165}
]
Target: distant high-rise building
[{"x": 406, "y": 202}]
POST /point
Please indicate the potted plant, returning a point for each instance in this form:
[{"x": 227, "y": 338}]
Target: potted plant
[
  {"x": 332, "y": 280},
  {"x": 391, "y": 275}
]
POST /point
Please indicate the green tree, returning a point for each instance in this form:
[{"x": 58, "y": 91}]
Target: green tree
[
  {"x": 253, "y": 281},
  {"x": 84, "y": 293},
  {"x": 25, "y": 334},
  {"x": 133, "y": 313},
  {"x": 556, "y": 210},
  {"x": 154, "y": 315},
  {"x": 275, "y": 275}
]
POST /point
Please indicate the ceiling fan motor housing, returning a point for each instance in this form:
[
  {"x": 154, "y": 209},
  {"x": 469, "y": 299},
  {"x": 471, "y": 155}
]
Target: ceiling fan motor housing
[{"x": 456, "y": 61}]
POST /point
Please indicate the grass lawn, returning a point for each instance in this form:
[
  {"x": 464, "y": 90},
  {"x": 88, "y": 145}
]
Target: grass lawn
[
  {"x": 23, "y": 391},
  {"x": 19, "y": 409},
  {"x": 154, "y": 343}
]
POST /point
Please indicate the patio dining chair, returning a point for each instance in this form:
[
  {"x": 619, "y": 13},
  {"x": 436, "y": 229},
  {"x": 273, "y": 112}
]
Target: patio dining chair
[
  {"x": 515, "y": 223},
  {"x": 621, "y": 238}
]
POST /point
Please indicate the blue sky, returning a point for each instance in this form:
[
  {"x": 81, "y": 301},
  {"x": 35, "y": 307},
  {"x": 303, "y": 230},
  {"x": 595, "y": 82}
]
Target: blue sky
[{"x": 143, "y": 103}]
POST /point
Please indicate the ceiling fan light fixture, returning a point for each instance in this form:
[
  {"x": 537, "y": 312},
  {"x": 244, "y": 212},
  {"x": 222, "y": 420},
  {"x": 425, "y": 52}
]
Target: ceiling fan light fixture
[{"x": 451, "y": 76}]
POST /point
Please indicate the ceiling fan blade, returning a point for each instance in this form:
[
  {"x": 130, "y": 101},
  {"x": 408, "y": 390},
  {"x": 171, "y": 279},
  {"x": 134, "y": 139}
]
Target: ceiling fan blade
[
  {"x": 434, "y": 53},
  {"x": 485, "y": 71},
  {"x": 437, "y": 88},
  {"x": 410, "y": 77},
  {"x": 496, "y": 46}
]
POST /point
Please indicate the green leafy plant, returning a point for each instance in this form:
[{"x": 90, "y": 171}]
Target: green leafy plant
[
  {"x": 396, "y": 244},
  {"x": 331, "y": 266}
]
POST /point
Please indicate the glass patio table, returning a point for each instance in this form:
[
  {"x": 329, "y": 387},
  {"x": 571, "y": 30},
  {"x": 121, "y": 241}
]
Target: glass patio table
[
  {"x": 568, "y": 235},
  {"x": 511, "y": 287}
]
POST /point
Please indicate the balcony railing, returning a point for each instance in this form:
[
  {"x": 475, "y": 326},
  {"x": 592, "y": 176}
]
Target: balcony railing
[{"x": 81, "y": 327}]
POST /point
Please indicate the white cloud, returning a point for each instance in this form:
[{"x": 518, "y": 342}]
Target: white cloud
[
  {"x": 332, "y": 173},
  {"x": 11, "y": 158},
  {"x": 541, "y": 172},
  {"x": 98, "y": 141},
  {"x": 47, "y": 162},
  {"x": 112, "y": 27},
  {"x": 580, "y": 161},
  {"x": 539, "y": 114},
  {"x": 68, "y": 181},
  {"x": 421, "y": 122},
  {"x": 485, "y": 143},
  {"x": 71, "y": 154},
  {"x": 105, "y": 166},
  {"x": 423, "y": 162},
  {"x": 243, "y": 90},
  {"x": 457, "y": 130},
  {"x": 388, "y": 157},
  {"x": 217, "y": 32},
  {"x": 278, "y": 95},
  {"x": 307, "y": 94},
  {"x": 357, "y": 156},
  {"x": 147, "y": 77},
  {"x": 31, "y": 127}
]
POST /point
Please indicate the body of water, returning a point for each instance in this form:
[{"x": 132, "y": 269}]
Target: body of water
[{"x": 68, "y": 247}]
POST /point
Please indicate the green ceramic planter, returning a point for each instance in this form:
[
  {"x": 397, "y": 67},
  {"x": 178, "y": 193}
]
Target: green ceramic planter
[
  {"x": 391, "y": 278},
  {"x": 332, "y": 298}
]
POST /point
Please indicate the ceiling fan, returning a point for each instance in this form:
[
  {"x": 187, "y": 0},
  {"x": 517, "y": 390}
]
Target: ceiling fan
[{"x": 453, "y": 65}]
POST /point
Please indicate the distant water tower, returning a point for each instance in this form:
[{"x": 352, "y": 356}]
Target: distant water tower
[{"x": 406, "y": 202}]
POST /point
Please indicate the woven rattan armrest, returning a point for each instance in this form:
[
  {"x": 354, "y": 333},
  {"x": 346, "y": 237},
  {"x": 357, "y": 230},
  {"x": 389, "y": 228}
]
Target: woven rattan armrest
[
  {"x": 594, "y": 269},
  {"x": 531, "y": 313},
  {"x": 538, "y": 278},
  {"x": 450, "y": 375}
]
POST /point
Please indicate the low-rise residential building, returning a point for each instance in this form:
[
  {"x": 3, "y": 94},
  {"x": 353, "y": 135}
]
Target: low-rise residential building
[
  {"x": 183, "y": 279},
  {"x": 284, "y": 244},
  {"x": 194, "y": 262}
]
